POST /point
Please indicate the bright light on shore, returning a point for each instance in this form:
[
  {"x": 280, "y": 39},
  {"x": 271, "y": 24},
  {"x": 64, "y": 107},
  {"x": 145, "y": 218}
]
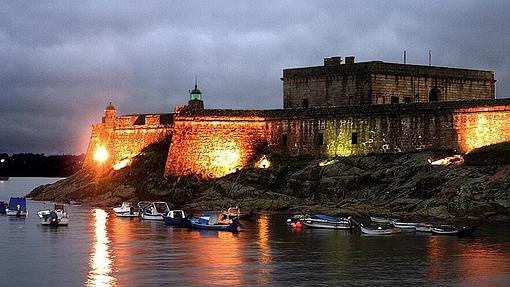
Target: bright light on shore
[{"x": 101, "y": 154}]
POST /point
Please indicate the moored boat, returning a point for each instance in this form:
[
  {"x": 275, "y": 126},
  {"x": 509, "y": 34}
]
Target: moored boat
[
  {"x": 444, "y": 230},
  {"x": 153, "y": 210},
  {"x": 326, "y": 221},
  {"x": 380, "y": 220},
  {"x": 17, "y": 207},
  {"x": 403, "y": 225},
  {"x": 423, "y": 227},
  {"x": 379, "y": 230},
  {"x": 176, "y": 218},
  {"x": 232, "y": 212},
  {"x": 56, "y": 217},
  {"x": 4, "y": 178},
  {"x": 125, "y": 210},
  {"x": 215, "y": 221}
]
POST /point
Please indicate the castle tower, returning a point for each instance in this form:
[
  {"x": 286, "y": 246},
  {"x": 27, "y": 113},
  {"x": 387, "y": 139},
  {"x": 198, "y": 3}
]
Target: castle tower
[
  {"x": 195, "y": 98},
  {"x": 109, "y": 115}
]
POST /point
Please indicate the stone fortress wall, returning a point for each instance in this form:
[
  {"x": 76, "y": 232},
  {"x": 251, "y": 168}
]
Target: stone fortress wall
[{"x": 213, "y": 143}]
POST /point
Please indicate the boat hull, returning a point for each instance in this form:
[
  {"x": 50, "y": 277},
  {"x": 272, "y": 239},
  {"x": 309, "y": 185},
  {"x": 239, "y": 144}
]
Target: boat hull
[
  {"x": 311, "y": 223},
  {"x": 233, "y": 227},
  {"x": 61, "y": 222},
  {"x": 127, "y": 214},
  {"x": 177, "y": 222},
  {"x": 380, "y": 231},
  {"x": 158, "y": 217},
  {"x": 20, "y": 213}
]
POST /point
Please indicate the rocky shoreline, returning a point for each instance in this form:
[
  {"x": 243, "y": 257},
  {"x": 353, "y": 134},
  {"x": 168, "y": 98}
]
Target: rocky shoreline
[{"x": 398, "y": 185}]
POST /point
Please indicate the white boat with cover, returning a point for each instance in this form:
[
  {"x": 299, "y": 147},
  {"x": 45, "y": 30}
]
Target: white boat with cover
[
  {"x": 326, "y": 221},
  {"x": 379, "y": 230},
  {"x": 125, "y": 210},
  {"x": 403, "y": 225},
  {"x": 153, "y": 210},
  {"x": 56, "y": 217},
  {"x": 444, "y": 230}
]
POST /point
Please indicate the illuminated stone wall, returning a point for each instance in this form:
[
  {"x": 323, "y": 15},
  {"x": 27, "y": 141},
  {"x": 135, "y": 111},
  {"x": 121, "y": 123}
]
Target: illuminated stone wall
[
  {"x": 481, "y": 126},
  {"x": 125, "y": 136},
  {"x": 214, "y": 145}
]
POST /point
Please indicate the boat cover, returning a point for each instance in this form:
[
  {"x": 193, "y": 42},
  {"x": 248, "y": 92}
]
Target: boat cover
[
  {"x": 325, "y": 217},
  {"x": 15, "y": 201}
]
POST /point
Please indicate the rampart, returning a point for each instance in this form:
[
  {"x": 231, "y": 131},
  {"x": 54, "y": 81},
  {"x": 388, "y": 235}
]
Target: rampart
[{"x": 216, "y": 142}]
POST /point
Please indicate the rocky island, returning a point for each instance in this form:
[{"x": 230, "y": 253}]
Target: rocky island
[{"x": 404, "y": 185}]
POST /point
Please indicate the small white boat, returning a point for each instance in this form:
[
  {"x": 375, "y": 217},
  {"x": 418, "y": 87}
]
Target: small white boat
[
  {"x": 403, "y": 225},
  {"x": 444, "y": 230},
  {"x": 326, "y": 221},
  {"x": 56, "y": 217},
  {"x": 380, "y": 220},
  {"x": 153, "y": 210},
  {"x": 17, "y": 207},
  {"x": 232, "y": 212},
  {"x": 423, "y": 227},
  {"x": 379, "y": 230},
  {"x": 125, "y": 210}
]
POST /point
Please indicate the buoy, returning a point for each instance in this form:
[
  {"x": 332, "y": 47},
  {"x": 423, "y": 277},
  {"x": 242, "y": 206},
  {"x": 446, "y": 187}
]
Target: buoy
[{"x": 299, "y": 224}]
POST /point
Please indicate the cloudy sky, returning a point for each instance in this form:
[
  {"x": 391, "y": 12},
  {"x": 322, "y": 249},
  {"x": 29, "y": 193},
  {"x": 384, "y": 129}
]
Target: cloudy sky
[{"x": 61, "y": 62}]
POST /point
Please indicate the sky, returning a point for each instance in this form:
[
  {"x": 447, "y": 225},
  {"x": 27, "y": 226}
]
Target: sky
[{"x": 62, "y": 62}]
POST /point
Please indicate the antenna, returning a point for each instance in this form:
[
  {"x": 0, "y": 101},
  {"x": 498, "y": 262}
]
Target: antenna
[
  {"x": 405, "y": 57},
  {"x": 430, "y": 57},
  {"x": 196, "y": 81}
]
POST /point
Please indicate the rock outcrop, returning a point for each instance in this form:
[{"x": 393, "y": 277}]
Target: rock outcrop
[{"x": 404, "y": 185}]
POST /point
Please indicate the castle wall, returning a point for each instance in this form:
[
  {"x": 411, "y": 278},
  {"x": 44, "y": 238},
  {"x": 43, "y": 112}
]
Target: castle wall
[
  {"x": 212, "y": 143},
  {"x": 376, "y": 82},
  {"x": 124, "y": 137}
]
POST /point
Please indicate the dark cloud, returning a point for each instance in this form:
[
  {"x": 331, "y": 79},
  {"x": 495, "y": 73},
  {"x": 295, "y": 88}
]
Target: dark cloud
[{"x": 62, "y": 62}]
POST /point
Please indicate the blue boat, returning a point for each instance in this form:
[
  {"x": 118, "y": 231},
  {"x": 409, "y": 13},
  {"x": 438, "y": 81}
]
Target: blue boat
[
  {"x": 17, "y": 207},
  {"x": 176, "y": 218},
  {"x": 215, "y": 222}
]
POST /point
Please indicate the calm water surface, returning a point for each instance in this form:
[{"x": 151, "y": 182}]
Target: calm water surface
[{"x": 97, "y": 249}]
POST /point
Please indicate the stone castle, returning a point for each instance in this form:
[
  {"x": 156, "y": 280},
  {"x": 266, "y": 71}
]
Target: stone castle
[{"x": 338, "y": 109}]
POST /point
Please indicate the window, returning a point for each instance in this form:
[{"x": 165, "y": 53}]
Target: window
[
  {"x": 408, "y": 100},
  {"x": 354, "y": 138},
  {"x": 320, "y": 139},
  {"x": 394, "y": 99},
  {"x": 284, "y": 139},
  {"x": 304, "y": 104}
]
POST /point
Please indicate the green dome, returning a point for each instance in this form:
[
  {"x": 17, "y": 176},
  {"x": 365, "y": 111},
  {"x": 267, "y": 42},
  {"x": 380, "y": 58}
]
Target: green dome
[{"x": 195, "y": 94}]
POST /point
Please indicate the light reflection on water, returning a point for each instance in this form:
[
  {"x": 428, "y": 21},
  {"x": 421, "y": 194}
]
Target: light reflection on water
[
  {"x": 98, "y": 249},
  {"x": 100, "y": 259}
]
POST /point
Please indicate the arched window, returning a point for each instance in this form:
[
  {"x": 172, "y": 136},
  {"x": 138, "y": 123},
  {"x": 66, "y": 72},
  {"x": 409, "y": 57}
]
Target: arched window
[{"x": 434, "y": 94}]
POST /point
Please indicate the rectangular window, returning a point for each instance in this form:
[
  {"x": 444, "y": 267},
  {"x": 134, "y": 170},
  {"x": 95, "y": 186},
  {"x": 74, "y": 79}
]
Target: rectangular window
[
  {"x": 284, "y": 139},
  {"x": 320, "y": 139},
  {"x": 354, "y": 138},
  {"x": 394, "y": 99},
  {"x": 408, "y": 100}
]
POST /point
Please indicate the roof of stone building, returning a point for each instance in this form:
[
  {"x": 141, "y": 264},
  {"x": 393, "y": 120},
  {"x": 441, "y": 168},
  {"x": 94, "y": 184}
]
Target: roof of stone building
[{"x": 384, "y": 68}]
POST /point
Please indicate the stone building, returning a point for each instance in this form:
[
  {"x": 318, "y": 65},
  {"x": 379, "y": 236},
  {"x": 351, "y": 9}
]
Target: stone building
[
  {"x": 352, "y": 114},
  {"x": 346, "y": 84}
]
